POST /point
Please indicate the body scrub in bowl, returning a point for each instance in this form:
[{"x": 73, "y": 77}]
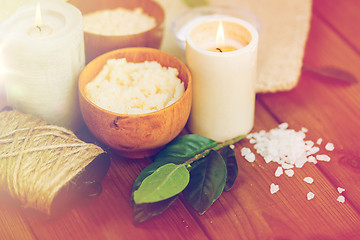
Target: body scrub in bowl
[
  {"x": 115, "y": 24},
  {"x": 135, "y": 88},
  {"x": 119, "y": 21},
  {"x": 144, "y": 99}
]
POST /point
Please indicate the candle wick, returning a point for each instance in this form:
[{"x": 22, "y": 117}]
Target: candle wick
[
  {"x": 38, "y": 27},
  {"x": 218, "y": 49}
]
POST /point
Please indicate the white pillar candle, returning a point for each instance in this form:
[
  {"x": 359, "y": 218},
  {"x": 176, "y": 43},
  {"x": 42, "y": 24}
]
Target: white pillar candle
[
  {"x": 40, "y": 61},
  {"x": 223, "y": 82}
]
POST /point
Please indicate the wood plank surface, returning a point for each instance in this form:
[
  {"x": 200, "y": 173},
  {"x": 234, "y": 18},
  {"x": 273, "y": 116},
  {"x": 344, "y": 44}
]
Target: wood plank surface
[
  {"x": 328, "y": 109},
  {"x": 110, "y": 215},
  {"x": 344, "y": 18},
  {"x": 13, "y": 225},
  {"x": 334, "y": 118},
  {"x": 249, "y": 211}
]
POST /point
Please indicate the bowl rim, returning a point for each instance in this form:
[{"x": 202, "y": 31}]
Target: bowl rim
[
  {"x": 158, "y": 24},
  {"x": 108, "y": 55}
]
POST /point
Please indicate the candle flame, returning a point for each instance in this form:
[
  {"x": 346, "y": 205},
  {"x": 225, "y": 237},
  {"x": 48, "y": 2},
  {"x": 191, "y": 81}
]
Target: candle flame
[
  {"x": 220, "y": 36},
  {"x": 38, "y": 20}
]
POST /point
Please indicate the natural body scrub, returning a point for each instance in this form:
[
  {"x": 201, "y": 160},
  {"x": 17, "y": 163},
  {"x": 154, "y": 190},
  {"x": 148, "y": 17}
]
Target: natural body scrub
[
  {"x": 135, "y": 88},
  {"x": 118, "y": 21}
]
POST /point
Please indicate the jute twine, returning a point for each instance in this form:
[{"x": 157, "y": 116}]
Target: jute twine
[{"x": 37, "y": 159}]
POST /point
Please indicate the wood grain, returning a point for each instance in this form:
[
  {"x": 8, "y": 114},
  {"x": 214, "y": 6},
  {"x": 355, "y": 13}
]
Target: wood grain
[
  {"x": 343, "y": 17},
  {"x": 249, "y": 211},
  {"x": 329, "y": 110},
  {"x": 13, "y": 225}
]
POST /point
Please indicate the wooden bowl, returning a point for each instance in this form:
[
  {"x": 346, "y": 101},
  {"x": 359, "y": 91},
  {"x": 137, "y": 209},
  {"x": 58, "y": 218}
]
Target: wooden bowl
[
  {"x": 140, "y": 135},
  {"x": 96, "y": 44}
]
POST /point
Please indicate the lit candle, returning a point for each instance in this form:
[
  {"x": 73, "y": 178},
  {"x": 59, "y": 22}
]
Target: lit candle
[
  {"x": 41, "y": 56},
  {"x": 221, "y": 45},
  {"x": 224, "y": 75}
]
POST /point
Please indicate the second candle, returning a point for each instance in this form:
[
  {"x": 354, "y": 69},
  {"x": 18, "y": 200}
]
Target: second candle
[{"x": 222, "y": 55}]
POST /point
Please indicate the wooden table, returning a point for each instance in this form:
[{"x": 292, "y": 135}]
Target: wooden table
[{"x": 330, "y": 110}]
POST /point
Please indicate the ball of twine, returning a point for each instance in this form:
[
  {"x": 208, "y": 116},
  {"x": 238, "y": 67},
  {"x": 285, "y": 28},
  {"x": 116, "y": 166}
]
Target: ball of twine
[{"x": 37, "y": 159}]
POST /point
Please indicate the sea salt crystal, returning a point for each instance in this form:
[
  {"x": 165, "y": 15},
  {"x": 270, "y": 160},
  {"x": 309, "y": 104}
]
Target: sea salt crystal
[
  {"x": 279, "y": 171},
  {"x": 312, "y": 159},
  {"x": 310, "y": 195},
  {"x": 309, "y": 180},
  {"x": 245, "y": 151},
  {"x": 252, "y": 141},
  {"x": 268, "y": 158},
  {"x": 313, "y": 150},
  {"x": 323, "y": 157},
  {"x": 329, "y": 146},
  {"x": 284, "y": 125},
  {"x": 309, "y": 144},
  {"x": 287, "y": 165},
  {"x": 250, "y": 157},
  {"x": 288, "y": 148},
  {"x": 284, "y": 146},
  {"x": 340, "y": 189},
  {"x": 341, "y": 199},
  {"x": 274, "y": 188},
  {"x": 289, "y": 172},
  {"x": 300, "y": 162}
]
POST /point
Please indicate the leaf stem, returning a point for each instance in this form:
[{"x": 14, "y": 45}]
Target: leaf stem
[{"x": 217, "y": 147}]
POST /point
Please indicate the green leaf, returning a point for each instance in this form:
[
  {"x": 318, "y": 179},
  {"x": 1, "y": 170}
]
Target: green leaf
[
  {"x": 150, "y": 170},
  {"x": 186, "y": 146},
  {"x": 145, "y": 211},
  {"x": 196, "y": 3},
  {"x": 177, "y": 152},
  {"x": 207, "y": 182},
  {"x": 167, "y": 181},
  {"x": 228, "y": 155}
]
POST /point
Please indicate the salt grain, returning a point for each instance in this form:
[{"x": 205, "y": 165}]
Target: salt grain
[
  {"x": 285, "y": 146},
  {"x": 252, "y": 141},
  {"x": 268, "y": 159},
  {"x": 323, "y": 157},
  {"x": 284, "y": 125},
  {"x": 341, "y": 199},
  {"x": 279, "y": 171},
  {"x": 329, "y": 146},
  {"x": 289, "y": 149},
  {"x": 250, "y": 157},
  {"x": 313, "y": 150},
  {"x": 309, "y": 180},
  {"x": 340, "y": 189},
  {"x": 287, "y": 165},
  {"x": 245, "y": 151},
  {"x": 312, "y": 159},
  {"x": 310, "y": 195},
  {"x": 274, "y": 188},
  {"x": 289, "y": 172}
]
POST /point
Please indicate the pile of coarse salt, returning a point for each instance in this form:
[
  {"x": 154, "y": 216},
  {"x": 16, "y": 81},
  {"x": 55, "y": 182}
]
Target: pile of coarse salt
[
  {"x": 285, "y": 146},
  {"x": 289, "y": 149}
]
